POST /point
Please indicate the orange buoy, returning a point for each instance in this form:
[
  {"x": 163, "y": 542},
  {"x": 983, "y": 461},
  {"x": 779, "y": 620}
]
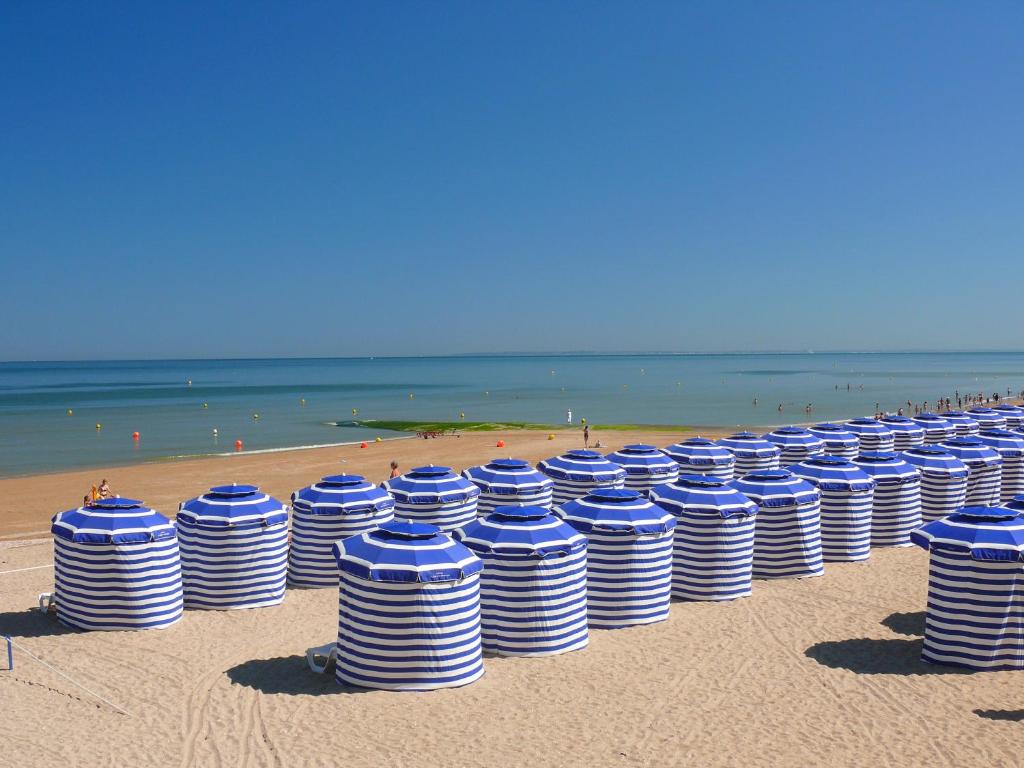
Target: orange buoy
[
  {"x": 135, "y": 435},
  {"x": 501, "y": 444},
  {"x": 362, "y": 444},
  {"x": 238, "y": 445}
]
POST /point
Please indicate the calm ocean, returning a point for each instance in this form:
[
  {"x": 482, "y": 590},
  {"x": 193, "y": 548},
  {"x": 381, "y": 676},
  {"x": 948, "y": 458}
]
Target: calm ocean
[{"x": 155, "y": 399}]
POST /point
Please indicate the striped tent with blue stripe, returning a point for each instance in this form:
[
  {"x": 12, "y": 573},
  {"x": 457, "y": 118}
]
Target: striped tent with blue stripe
[
  {"x": 116, "y": 567},
  {"x": 577, "y": 473},
  {"x": 752, "y": 452},
  {"x": 1013, "y": 414},
  {"x": 234, "y": 548},
  {"x": 796, "y": 444},
  {"x": 700, "y": 456},
  {"x": 963, "y": 423},
  {"x": 713, "y": 546},
  {"x": 847, "y": 494},
  {"x": 433, "y": 496},
  {"x": 873, "y": 435},
  {"x": 984, "y": 470},
  {"x": 838, "y": 440},
  {"x": 509, "y": 482},
  {"x": 987, "y": 418},
  {"x": 943, "y": 480},
  {"x": 975, "y": 615},
  {"x": 1010, "y": 447},
  {"x": 906, "y": 433},
  {"x": 896, "y": 509},
  {"x": 408, "y": 609},
  {"x": 533, "y": 587},
  {"x": 787, "y": 535},
  {"x": 335, "y": 507},
  {"x": 629, "y": 556},
  {"x": 646, "y": 467},
  {"x": 937, "y": 429}
]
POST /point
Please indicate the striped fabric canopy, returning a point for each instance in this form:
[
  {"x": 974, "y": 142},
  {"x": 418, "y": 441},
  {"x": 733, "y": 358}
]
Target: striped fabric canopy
[
  {"x": 963, "y": 423},
  {"x": 533, "y": 587},
  {"x": 896, "y": 508},
  {"x": 629, "y": 556},
  {"x": 787, "y": 537},
  {"x": 408, "y": 609},
  {"x": 873, "y": 435},
  {"x": 509, "y": 481},
  {"x": 713, "y": 547},
  {"x": 234, "y": 548},
  {"x": 984, "y": 469},
  {"x": 847, "y": 493},
  {"x": 116, "y": 567},
  {"x": 576, "y": 473},
  {"x": 838, "y": 440},
  {"x": 943, "y": 480},
  {"x": 699, "y": 456},
  {"x": 333, "y": 508},
  {"x": 796, "y": 444},
  {"x": 1010, "y": 447},
  {"x": 434, "y": 496},
  {"x": 752, "y": 452},
  {"x": 975, "y": 588},
  {"x": 646, "y": 467},
  {"x": 906, "y": 433},
  {"x": 937, "y": 429},
  {"x": 987, "y": 418},
  {"x": 1013, "y": 414}
]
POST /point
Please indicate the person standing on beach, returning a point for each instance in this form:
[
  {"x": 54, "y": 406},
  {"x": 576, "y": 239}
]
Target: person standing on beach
[
  {"x": 568, "y": 416},
  {"x": 586, "y": 435},
  {"x": 394, "y": 470}
]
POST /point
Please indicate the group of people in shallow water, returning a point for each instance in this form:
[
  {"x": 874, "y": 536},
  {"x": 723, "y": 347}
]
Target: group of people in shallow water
[
  {"x": 102, "y": 491},
  {"x": 941, "y": 404}
]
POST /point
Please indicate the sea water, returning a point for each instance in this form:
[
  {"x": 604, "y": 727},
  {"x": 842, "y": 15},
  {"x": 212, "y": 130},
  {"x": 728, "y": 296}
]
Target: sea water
[{"x": 176, "y": 405}]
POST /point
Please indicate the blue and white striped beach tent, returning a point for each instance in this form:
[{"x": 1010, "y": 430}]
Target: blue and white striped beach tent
[
  {"x": 937, "y": 429},
  {"x": 646, "y": 467},
  {"x": 839, "y": 441},
  {"x": 943, "y": 480},
  {"x": 752, "y": 452},
  {"x": 433, "y": 496},
  {"x": 408, "y": 609},
  {"x": 975, "y": 616},
  {"x": 1013, "y": 414},
  {"x": 577, "y": 473},
  {"x": 533, "y": 588},
  {"x": 847, "y": 493},
  {"x": 508, "y": 482},
  {"x": 629, "y": 556},
  {"x": 333, "y": 508},
  {"x": 1010, "y": 447},
  {"x": 700, "y": 456},
  {"x": 984, "y": 470},
  {"x": 234, "y": 548},
  {"x": 787, "y": 536},
  {"x": 963, "y": 423},
  {"x": 987, "y": 418},
  {"x": 873, "y": 435},
  {"x": 896, "y": 509},
  {"x": 796, "y": 444},
  {"x": 1016, "y": 503},
  {"x": 116, "y": 566},
  {"x": 906, "y": 433},
  {"x": 713, "y": 548}
]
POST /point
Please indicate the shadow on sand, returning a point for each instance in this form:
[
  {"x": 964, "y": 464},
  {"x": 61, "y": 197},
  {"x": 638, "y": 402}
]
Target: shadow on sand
[
  {"x": 1009, "y": 715},
  {"x": 906, "y": 623},
  {"x": 31, "y": 623},
  {"x": 868, "y": 656},
  {"x": 288, "y": 675}
]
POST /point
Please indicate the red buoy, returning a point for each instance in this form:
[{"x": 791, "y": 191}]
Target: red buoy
[
  {"x": 501, "y": 444},
  {"x": 135, "y": 435},
  {"x": 362, "y": 445},
  {"x": 238, "y": 445}
]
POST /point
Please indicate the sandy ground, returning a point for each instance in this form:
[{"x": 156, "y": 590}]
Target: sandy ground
[{"x": 800, "y": 674}]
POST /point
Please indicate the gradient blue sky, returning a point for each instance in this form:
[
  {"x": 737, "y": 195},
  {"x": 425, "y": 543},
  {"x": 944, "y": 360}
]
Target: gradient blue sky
[{"x": 249, "y": 179}]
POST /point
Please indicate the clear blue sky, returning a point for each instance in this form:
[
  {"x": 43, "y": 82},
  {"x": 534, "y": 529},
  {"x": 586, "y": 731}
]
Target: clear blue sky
[{"x": 252, "y": 179}]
